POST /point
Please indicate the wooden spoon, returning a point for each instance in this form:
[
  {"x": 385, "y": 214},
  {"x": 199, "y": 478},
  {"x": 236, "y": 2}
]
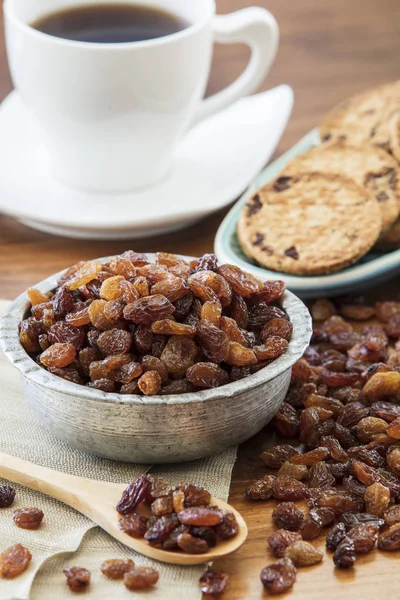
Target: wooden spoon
[{"x": 97, "y": 500}]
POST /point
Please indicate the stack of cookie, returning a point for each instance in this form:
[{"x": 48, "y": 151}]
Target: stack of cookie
[{"x": 332, "y": 204}]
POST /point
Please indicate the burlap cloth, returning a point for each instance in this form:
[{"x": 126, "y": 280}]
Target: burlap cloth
[{"x": 68, "y": 538}]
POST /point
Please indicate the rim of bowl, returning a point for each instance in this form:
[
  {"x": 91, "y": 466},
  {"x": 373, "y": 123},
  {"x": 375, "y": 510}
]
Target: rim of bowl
[{"x": 9, "y": 340}]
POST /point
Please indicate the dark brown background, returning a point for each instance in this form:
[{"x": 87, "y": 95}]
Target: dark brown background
[{"x": 329, "y": 50}]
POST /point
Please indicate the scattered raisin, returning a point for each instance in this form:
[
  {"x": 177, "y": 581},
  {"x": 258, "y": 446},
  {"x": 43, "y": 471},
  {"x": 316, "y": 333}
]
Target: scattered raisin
[
  {"x": 7, "y": 495},
  {"x": 28, "y": 518},
  {"x": 279, "y": 576},
  {"x": 78, "y": 578},
  {"x": 288, "y": 516},
  {"x": 14, "y": 561},
  {"x": 117, "y": 567},
  {"x": 213, "y": 583},
  {"x": 141, "y": 578}
]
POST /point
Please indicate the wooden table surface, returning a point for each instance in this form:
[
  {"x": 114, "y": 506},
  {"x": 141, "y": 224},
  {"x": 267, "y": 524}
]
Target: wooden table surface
[{"x": 328, "y": 51}]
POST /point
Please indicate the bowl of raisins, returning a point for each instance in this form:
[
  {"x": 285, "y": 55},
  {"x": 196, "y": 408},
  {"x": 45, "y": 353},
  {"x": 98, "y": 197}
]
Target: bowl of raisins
[{"x": 155, "y": 358}]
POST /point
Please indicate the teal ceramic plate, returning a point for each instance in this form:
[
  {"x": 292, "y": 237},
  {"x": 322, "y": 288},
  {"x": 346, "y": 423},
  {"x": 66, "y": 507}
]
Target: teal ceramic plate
[{"x": 372, "y": 269}]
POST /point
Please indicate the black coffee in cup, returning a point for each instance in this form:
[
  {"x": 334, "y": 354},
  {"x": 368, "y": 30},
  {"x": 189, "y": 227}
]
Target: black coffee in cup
[{"x": 110, "y": 23}]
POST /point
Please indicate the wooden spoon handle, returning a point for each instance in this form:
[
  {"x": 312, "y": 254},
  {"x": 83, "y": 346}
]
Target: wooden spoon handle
[{"x": 53, "y": 483}]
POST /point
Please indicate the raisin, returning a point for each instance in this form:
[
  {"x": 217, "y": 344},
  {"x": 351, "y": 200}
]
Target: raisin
[
  {"x": 335, "y": 448},
  {"x": 393, "y": 429},
  {"x": 312, "y": 526},
  {"x": 151, "y": 363},
  {"x": 207, "y": 262},
  {"x": 390, "y": 539},
  {"x": 207, "y": 375},
  {"x": 114, "y": 341},
  {"x": 308, "y": 424},
  {"x": 303, "y": 554},
  {"x": 213, "y": 583},
  {"x": 320, "y": 476},
  {"x": 311, "y": 457},
  {"x": 228, "y": 528},
  {"x": 116, "y": 568},
  {"x": 178, "y": 500},
  {"x": 340, "y": 501},
  {"x": 287, "y": 516},
  {"x": 78, "y": 578},
  {"x": 213, "y": 342},
  {"x": 272, "y": 291},
  {"x": 261, "y": 489},
  {"x": 369, "y": 475},
  {"x": 97, "y": 316},
  {"x": 14, "y": 561},
  {"x": 173, "y": 288},
  {"x": 302, "y": 372},
  {"x": 141, "y": 578},
  {"x": 392, "y": 515},
  {"x": 298, "y": 472},
  {"x": 207, "y": 534},
  {"x": 143, "y": 339},
  {"x": 377, "y": 499},
  {"x": 195, "y": 495},
  {"x": 322, "y": 310},
  {"x": 180, "y": 386},
  {"x": 393, "y": 326},
  {"x": 352, "y": 414},
  {"x": 191, "y": 544},
  {"x": 339, "y": 379},
  {"x": 78, "y": 318},
  {"x": 240, "y": 356},
  {"x": 345, "y": 554},
  {"x": 179, "y": 355},
  {"x": 133, "y": 525},
  {"x": 281, "y": 539},
  {"x": 63, "y": 333},
  {"x": 364, "y": 537},
  {"x": 150, "y": 383},
  {"x": 215, "y": 282},
  {"x": 127, "y": 373},
  {"x": 286, "y": 421},
  {"x": 260, "y": 314},
  {"x": 58, "y": 355},
  {"x": 168, "y": 327},
  {"x": 63, "y": 303},
  {"x": 272, "y": 348},
  {"x": 239, "y": 311},
  {"x": 351, "y": 519},
  {"x": 183, "y": 306},
  {"x": 7, "y": 496},
  {"x": 200, "y": 516},
  {"x": 351, "y": 484},
  {"x": 230, "y": 327},
  {"x": 369, "y": 428},
  {"x": 28, "y": 518},
  {"x": 159, "y": 531},
  {"x": 287, "y": 488},
  {"x": 326, "y": 515},
  {"x": 149, "y": 309},
  {"x": 335, "y": 536},
  {"x": 277, "y": 455},
  {"x": 171, "y": 542},
  {"x": 242, "y": 283},
  {"x": 279, "y": 576},
  {"x": 280, "y": 328},
  {"x": 162, "y": 506},
  {"x": 138, "y": 491}
]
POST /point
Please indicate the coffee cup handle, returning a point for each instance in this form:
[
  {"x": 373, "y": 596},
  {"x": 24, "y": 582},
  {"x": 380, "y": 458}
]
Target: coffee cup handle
[{"x": 257, "y": 28}]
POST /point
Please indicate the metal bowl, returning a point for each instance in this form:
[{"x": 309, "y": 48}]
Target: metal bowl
[{"x": 156, "y": 429}]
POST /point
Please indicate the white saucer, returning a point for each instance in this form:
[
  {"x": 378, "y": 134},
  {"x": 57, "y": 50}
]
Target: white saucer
[{"x": 214, "y": 163}]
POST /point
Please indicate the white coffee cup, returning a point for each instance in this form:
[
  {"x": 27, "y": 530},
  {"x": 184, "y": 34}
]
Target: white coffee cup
[{"x": 112, "y": 114}]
